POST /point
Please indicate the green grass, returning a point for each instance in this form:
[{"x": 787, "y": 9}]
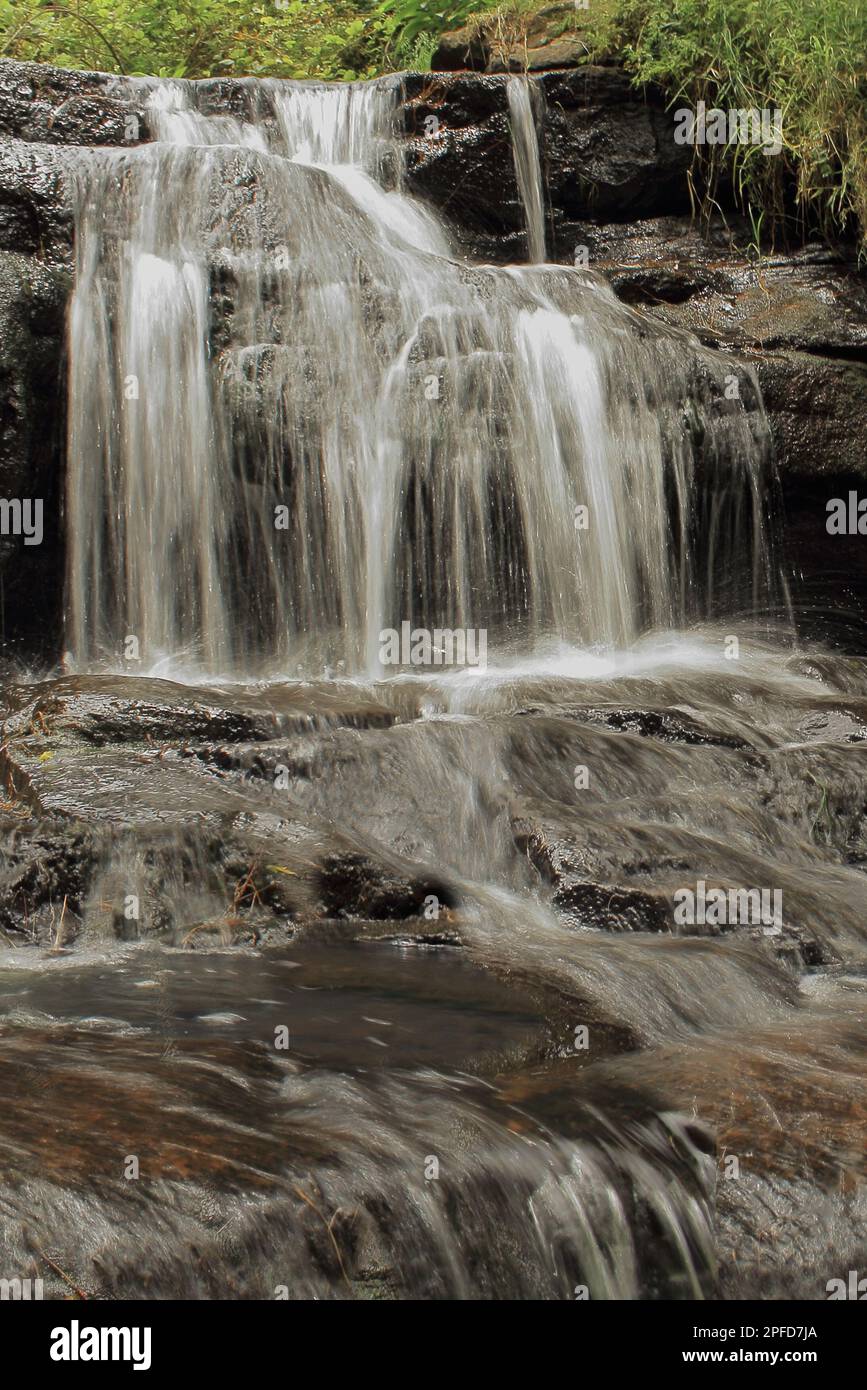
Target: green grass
[{"x": 806, "y": 57}]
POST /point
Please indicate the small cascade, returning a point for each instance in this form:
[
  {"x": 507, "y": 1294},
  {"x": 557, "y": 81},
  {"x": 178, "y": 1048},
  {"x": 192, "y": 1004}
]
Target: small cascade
[{"x": 528, "y": 169}]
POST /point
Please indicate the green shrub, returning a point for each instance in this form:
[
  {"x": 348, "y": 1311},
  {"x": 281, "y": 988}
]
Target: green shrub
[
  {"x": 200, "y": 38},
  {"x": 431, "y": 18},
  {"x": 806, "y": 57}
]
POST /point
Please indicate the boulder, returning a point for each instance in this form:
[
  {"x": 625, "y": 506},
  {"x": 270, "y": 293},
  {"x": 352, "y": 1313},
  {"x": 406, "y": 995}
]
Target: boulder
[
  {"x": 551, "y": 38},
  {"x": 53, "y": 106}
]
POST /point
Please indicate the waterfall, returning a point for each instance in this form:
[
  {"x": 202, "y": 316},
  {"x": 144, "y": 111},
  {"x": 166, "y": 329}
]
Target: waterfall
[
  {"x": 297, "y": 420},
  {"x": 387, "y": 985},
  {"x": 528, "y": 170}
]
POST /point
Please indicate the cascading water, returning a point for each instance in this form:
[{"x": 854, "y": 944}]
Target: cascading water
[
  {"x": 525, "y": 148},
  {"x": 296, "y": 421}
]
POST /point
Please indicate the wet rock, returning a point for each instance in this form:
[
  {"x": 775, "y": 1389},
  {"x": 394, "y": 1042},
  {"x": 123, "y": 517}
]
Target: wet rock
[
  {"x": 813, "y": 298},
  {"x": 461, "y": 170},
  {"x": 51, "y": 105},
  {"x": 669, "y": 726},
  {"x": 143, "y": 710},
  {"x": 572, "y": 859},
  {"x": 612, "y": 866},
  {"x": 801, "y": 319},
  {"x": 175, "y": 823},
  {"x": 829, "y": 572},
  {"x": 35, "y": 205},
  {"x": 35, "y": 253},
  {"x": 352, "y": 884},
  {"x": 818, "y": 410},
  {"x": 606, "y": 907},
  {"x": 121, "y": 710},
  {"x": 778, "y": 1111},
  {"x": 45, "y": 872},
  {"x": 607, "y": 150},
  {"x": 817, "y": 406},
  {"x": 32, "y": 414}
]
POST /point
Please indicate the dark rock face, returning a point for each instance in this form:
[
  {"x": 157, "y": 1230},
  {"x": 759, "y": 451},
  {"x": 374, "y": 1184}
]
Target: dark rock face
[
  {"x": 465, "y": 167},
  {"x": 32, "y": 303},
  {"x": 608, "y": 150},
  {"x": 35, "y": 278},
  {"x": 35, "y": 209},
  {"x": 819, "y": 408},
  {"x": 353, "y": 886},
  {"x": 51, "y": 106},
  {"x": 43, "y": 866}
]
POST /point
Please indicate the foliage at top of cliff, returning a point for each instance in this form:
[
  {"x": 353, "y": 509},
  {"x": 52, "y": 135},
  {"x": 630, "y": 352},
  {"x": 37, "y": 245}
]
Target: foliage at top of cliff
[{"x": 331, "y": 39}]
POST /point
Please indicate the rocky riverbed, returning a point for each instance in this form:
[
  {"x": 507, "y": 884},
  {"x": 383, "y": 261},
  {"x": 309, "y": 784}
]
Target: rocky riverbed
[{"x": 471, "y": 962}]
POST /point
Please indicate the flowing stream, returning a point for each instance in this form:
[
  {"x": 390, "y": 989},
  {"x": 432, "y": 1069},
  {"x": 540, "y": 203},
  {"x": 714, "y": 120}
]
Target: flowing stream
[{"x": 367, "y": 955}]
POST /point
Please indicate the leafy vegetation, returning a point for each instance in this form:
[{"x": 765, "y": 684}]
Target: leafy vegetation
[
  {"x": 806, "y": 57},
  {"x": 333, "y": 39},
  {"x": 414, "y": 18}
]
